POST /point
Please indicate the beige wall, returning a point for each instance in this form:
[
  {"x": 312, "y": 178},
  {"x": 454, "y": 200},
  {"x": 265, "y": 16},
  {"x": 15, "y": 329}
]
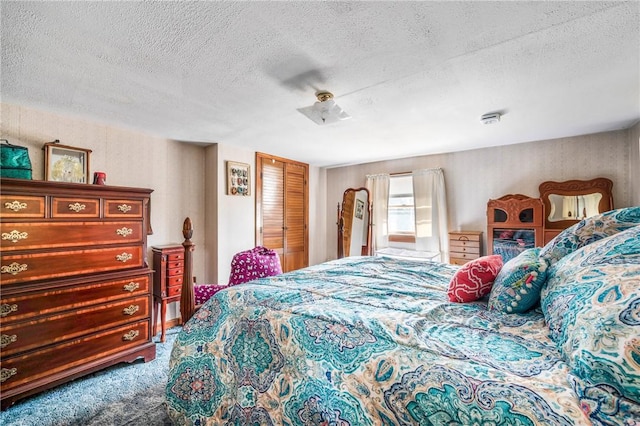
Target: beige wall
[
  {"x": 233, "y": 230},
  {"x": 473, "y": 177},
  {"x": 634, "y": 169},
  {"x": 230, "y": 220}
]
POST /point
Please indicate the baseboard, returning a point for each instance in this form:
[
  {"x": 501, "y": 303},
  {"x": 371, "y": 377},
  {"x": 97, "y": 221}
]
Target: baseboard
[
  {"x": 168, "y": 324},
  {"x": 173, "y": 322}
]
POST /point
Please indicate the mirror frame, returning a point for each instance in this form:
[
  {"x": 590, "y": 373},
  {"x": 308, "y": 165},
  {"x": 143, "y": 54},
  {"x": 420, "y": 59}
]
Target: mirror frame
[
  {"x": 366, "y": 249},
  {"x": 572, "y": 188}
]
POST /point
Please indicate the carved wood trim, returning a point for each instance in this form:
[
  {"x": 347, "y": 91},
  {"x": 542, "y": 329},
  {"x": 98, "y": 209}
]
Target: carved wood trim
[
  {"x": 512, "y": 205},
  {"x": 574, "y": 188}
]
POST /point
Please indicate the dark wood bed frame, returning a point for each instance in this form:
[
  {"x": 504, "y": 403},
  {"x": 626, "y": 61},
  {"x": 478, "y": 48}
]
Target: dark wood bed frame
[{"x": 187, "y": 300}]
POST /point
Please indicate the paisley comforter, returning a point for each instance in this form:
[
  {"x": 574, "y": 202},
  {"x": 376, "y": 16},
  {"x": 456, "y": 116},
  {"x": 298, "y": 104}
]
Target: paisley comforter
[{"x": 365, "y": 341}]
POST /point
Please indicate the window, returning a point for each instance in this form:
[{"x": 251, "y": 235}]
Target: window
[{"x": 401, "y": 212}]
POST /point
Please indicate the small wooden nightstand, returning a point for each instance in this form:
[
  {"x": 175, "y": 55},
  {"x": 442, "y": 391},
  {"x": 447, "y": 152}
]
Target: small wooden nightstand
[
  {"x": 464, "y": 246},
  {"x": 168, "y": 263}
]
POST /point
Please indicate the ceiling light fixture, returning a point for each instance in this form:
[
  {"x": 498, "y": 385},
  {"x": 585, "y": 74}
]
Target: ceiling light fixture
[
  {"x": 490, "y": 118},
  {"x": 325, "y": 110}
]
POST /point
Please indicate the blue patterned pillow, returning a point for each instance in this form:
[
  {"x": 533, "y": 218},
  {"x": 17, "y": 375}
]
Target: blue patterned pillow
[
  {"x": 588, "y": 230},
  {"x": 592, "y": 304},
  {"x": 517, "y": 286}
]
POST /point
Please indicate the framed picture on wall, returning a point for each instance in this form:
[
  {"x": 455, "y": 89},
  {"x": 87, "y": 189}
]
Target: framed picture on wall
[
  {"x": 238, "y": 178},
  {"x": 63, "y": 163},
  {"x": 359, "y": 209}
]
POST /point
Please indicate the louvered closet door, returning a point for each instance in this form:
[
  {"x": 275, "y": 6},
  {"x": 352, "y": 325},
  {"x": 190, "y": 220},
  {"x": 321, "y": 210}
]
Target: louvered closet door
[
  {"x": 295, "y": 254},
  {"x": 282, "y": 209},
  {"x": 272, "y": 207}
]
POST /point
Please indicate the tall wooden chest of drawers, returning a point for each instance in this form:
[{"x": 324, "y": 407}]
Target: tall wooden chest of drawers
[
  {"x": 464, "y": 246},
  {"x": 75, "y": 286},
  {"x": 168, "y": 264}
]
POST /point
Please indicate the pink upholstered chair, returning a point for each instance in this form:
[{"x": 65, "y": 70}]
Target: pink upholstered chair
[{"x": 246, "y": 266}]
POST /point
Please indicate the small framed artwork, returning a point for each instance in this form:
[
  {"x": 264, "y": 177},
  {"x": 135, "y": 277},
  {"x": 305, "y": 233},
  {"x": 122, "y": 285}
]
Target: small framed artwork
[
  {"x": 359, "y": 209},
  {"x": 238, "y": 178},
  {"x": 64, "y": 163}
]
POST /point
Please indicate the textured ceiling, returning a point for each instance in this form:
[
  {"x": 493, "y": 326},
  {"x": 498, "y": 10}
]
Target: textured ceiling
[{"x": 414, "y": 76}]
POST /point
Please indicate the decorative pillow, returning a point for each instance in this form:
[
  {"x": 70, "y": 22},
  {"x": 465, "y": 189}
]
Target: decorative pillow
[
  {"x": 474, "y": 279},
  {"x": 592, "y": 304},
  {"x": 517, "y": 286},
  {"x": 588, "y": 230}
]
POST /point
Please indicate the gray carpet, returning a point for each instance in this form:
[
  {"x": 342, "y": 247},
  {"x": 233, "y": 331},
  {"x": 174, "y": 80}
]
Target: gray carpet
[{"x": 125, "y": 394}]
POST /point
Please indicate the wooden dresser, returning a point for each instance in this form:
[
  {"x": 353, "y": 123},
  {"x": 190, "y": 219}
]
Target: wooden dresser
[
  {"x": 168, "y": 264},
  {"x": 74, "y": 281},
  {"x": 464, "y": 246},
  {"x": 515, "y": 223}
]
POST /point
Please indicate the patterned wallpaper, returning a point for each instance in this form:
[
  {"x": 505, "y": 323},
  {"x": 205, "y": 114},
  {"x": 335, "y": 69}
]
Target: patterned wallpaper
[{"x": 473, "y": 177}]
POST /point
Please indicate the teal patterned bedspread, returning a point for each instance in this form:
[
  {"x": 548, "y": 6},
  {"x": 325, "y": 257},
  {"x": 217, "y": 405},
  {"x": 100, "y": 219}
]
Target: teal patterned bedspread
[{"x": 365, "y": 341}]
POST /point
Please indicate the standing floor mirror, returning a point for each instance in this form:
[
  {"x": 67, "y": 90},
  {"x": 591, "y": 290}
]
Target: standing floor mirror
[{"x": 354, "y": 223}]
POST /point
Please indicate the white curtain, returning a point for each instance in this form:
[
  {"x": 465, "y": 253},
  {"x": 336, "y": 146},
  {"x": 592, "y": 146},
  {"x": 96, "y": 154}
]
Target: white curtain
[
  {"x": 431, "y": 212},
  {"x": 378, "y": 186}
]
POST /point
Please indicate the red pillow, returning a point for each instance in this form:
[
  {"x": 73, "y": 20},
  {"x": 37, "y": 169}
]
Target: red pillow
[{"x": 474, "y": 280}]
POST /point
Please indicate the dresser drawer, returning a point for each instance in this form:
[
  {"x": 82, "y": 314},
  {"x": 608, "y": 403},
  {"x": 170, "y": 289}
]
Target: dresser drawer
[
  {"x": 464, "y": 249},
  {"x": 174, "y": 290},
  {"x": 122, "y": 208},
  {"x": 462, "y": 244},
  {"x": 50, "y": 329},
  {"x": 21, "y": 206},
  {"x": 75, "y": 207},
  {"x": 465, "y": 236},
  {"x": 172, "y": 258},
  {"x": 38, "y": 266},
  {"x": 463, "y": 257},
  {"x": 64, "y": 357},
  {"x": 35, "y": 235},
  {"x": 174, "y": 272},
  {"x": 46, "y": 302},
  {"x": 173, "y": 264},
  {"x": 175, "y": 281}
]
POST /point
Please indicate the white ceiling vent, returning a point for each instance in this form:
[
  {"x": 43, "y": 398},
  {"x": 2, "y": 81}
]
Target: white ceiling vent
[{"x": 490, "y": 118}]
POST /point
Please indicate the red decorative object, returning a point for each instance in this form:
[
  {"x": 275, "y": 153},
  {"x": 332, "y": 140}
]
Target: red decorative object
[
  {"x": 474, "y": 280},
  {"x": 99, "y": 178}
]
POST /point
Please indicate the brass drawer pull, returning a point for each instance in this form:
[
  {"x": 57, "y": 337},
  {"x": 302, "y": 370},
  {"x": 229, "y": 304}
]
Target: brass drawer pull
[
  {"x": 124, "y": 257},
  {"x": 124, "y": 208},
  {"x": 16, "y": 205},
  {"x": 124, "y": 232},
  {"x": 132, "y": 309},
  {"x": 14, "y": 268},
  {"x": 77, "y": 207},
  {"x": 131, "y": 335},
  {"x": 14, "y": 236},
  {"x": 132, "y": 286},
  {"x": 6, "y": 340},
  {"x": 6, "y": 309},
  {"x": 7, "y": 373}
]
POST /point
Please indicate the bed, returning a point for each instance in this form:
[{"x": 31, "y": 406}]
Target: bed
[{"x": 376, "y": 341}]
